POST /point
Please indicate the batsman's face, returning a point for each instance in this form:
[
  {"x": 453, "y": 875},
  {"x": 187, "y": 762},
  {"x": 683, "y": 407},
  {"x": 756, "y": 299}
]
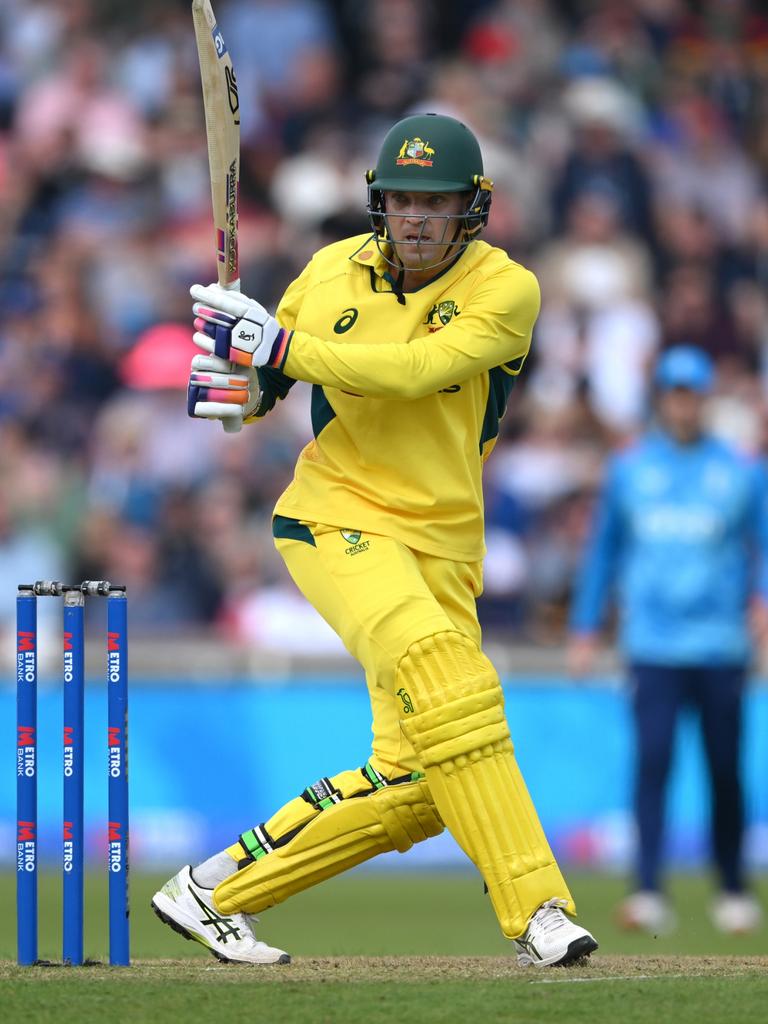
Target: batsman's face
[{"x": 419, "y": 226}]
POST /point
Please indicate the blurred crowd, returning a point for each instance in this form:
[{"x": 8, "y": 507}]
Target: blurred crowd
[{"x": 629, "y": 147}]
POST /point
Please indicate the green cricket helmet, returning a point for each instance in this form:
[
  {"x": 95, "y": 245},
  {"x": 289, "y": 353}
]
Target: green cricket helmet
[{"x": 431, "y": 153}]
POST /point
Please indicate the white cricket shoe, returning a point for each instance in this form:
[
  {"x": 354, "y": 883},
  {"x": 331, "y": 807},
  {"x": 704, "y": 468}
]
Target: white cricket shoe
[
  {"x": 188, "y": 908},
  {"x": 646, "y": 911},
  {"x": 736, "y": 913},
  {"x": 552, "y": 938}
]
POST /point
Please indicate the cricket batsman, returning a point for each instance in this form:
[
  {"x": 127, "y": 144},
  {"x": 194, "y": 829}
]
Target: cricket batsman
[{"x": 412, "y": 337}]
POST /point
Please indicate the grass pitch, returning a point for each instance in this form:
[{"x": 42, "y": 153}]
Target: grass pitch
[
  {"x": 397, "y": 949},
  {"x": 406, "y": 990}
]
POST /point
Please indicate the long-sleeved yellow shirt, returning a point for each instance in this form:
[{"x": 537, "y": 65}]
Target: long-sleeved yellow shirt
[{"x": 408, "y": 392}]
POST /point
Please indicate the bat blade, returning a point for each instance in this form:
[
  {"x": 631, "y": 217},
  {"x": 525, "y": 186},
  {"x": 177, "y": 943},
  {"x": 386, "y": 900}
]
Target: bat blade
[{"x": 222, "y": 126}]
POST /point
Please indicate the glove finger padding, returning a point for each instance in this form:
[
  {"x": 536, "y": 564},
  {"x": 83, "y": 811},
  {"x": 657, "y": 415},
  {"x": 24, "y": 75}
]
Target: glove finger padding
[
  {"x": 212, "y": 394},
  {"x": 222, "y": 300},
  {"x": 221, "y": 387},
  {"x": 215, "y": 338},
  {"x": 213, "y": 316},
  {"x": 214, "y": 364},
  {"x": 217, "y": 411}
]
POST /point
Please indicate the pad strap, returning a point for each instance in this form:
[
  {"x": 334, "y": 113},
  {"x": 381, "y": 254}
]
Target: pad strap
[
  {"x": 257, "y": 843},
  {"x": 320, "y": 796}
]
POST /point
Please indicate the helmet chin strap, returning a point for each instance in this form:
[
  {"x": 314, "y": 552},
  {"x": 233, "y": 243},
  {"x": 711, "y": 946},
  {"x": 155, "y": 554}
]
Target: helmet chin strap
[{"x": 398, "y": 286}]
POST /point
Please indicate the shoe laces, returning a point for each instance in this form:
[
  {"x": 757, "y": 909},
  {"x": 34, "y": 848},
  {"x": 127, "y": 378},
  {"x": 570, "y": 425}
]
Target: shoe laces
[
  {"x": 549, "y": 917},
  {"x": 245, "y": 919}
]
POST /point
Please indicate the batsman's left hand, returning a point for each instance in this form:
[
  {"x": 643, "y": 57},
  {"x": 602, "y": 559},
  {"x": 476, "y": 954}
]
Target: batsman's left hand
[{"x": 231, "y": 326}]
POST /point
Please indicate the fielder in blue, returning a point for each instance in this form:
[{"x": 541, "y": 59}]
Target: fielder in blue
[{"x": 680, "y": 538}]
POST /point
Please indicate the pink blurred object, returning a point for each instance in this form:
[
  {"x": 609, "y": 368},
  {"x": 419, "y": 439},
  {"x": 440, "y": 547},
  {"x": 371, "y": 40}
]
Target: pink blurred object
[{"x": 159, "y": 359}]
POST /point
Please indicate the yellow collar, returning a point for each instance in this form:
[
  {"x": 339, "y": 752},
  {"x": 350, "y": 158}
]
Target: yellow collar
[{"x": 368, "y": 255}]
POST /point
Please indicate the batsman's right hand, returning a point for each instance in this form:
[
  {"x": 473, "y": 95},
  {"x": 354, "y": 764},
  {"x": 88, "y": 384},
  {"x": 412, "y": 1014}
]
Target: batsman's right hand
[{"x": 220, "y": 390}]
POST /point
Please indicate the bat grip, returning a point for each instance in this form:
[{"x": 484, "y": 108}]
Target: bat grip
[{"x": 233, "y": 424}]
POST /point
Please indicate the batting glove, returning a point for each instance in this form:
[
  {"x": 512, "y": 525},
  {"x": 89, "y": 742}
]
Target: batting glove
[
  {"x": 220, "y": 390},
  {"x": 233, "y": 327}
]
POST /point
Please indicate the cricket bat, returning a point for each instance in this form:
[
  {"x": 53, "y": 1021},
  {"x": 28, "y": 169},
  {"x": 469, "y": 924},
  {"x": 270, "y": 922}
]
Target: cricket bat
[{"x": 222, "y": 128}]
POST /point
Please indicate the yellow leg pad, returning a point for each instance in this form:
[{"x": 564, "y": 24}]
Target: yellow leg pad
[
  {"x": 460, "y": 733},
  {"x": 337, "y": 838},
  {"x": 298, "y": 812}
]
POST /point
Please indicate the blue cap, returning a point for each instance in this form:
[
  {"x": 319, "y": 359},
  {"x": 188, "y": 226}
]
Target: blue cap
[{"x": 684, "y": 366}]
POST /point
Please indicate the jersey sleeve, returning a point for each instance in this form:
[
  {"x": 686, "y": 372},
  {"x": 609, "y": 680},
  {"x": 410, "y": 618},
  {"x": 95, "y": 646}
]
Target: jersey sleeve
[
  {"x": 758, "y": 528},
  {"x": 494, "y": 328},
  {"x": 293, "y": 298},
  {"x": 274, "y": 385},
  {"x": 594, "y": 583}
]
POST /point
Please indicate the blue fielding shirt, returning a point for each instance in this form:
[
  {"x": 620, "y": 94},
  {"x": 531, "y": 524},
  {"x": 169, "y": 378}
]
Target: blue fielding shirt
[{"x": 681, "y": 532}]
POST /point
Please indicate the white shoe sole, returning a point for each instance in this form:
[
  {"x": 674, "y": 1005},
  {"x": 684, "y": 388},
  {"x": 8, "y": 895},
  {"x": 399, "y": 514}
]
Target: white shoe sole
[
  {"x": 579, "y": 949},
  {"x": 171, "y": 913}
]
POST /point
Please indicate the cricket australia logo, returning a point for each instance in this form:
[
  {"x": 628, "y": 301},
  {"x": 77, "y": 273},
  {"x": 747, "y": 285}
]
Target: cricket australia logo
[
  {"x": 356, "y": 546},
  {"x": 415, "y": 151},
  {"x": 444, "y": 311}
]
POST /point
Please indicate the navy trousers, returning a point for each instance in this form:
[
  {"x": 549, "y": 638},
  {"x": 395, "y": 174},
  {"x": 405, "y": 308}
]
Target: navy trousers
[{"x": 716, "y": 696}]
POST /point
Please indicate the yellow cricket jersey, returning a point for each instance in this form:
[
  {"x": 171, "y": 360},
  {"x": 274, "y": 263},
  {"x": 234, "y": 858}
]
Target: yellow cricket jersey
[{"x": 408, "y": 392}]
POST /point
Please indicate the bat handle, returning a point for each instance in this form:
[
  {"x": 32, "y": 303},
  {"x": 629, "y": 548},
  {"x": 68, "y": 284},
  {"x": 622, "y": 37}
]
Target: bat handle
[{"x": 232, "y": 425}]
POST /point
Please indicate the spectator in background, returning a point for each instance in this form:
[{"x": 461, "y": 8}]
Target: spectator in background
[
  {"x": 693, "y": 311},
  {"x": 682, "y": 527},
  {"x": 598, "y": 324},
  {"x": 27, "y": 553},
  {"x": 700, "y": 164},
  {"x": 605, "y": 117},
  {"x": 290, "y": 74}
]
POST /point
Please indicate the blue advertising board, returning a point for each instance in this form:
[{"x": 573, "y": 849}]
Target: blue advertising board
[{"x": 207, "y": 762}]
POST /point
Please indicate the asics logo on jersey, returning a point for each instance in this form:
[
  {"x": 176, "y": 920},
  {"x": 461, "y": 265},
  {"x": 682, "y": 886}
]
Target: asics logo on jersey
[{"x": 347, "y": 320}]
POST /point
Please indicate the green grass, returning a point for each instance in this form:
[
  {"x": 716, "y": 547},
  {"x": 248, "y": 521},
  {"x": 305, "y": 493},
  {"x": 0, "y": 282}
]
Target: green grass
[
  {"x": 514, "y": 1001},
  {"x": 414, "y": 919}
]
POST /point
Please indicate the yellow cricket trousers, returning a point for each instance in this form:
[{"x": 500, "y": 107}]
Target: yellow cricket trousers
[{"x": 380, "y": 596}]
